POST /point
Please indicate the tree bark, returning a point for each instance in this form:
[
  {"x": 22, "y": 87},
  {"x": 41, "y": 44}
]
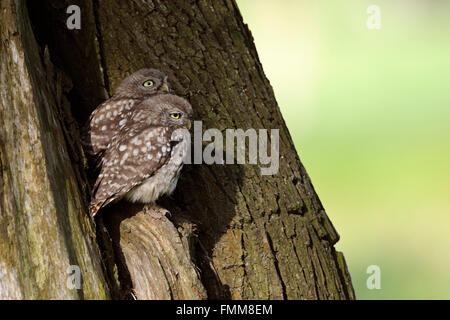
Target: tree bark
[
  {"x": 43, "y": 219},
  {"x": 233, "y": 233}
]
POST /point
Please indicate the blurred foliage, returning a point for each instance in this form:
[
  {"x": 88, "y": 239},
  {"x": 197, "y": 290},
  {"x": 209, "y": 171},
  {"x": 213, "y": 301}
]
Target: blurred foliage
[{"x": 369, "y": 111}]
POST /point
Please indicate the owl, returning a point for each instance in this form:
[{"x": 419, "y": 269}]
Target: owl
[
  {"x": 144, "y": 160},
  {"x": 106, "y": 119}
]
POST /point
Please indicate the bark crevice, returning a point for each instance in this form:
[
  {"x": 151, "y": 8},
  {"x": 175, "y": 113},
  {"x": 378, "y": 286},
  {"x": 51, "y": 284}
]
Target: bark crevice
[{"x": 100, "y": 47}]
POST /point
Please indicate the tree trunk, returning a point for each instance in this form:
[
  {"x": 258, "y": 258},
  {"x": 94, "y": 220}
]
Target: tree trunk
[
  {"x": 44, "y": 223},
  {"x": 233, "y": 233}
]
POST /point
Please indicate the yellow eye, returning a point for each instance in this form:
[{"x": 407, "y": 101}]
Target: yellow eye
[
  {"x": 148, "y": 83},
  {"x": 175, "y": 115}
]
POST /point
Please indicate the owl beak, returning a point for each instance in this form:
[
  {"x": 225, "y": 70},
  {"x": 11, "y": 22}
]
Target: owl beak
[
  {"x": 189, "y": 125},
  {"x": 165, "y": 87}
]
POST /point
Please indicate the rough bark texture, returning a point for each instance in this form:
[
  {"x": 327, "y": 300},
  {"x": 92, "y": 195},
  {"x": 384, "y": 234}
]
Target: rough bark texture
[
  {"x": 233, "y": 233},
  {"x": 155, "y": 258},
  {"x": 44, "y": 227}
]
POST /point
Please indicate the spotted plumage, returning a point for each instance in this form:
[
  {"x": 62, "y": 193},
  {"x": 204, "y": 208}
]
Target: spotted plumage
[
  {"x": 107, "y": 119},
  {"x": 144, "y": 160}
]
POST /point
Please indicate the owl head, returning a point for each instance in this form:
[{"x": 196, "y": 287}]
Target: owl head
[
  {"x": 143, "y": 83},
  {"x": 166, "y": 110}
]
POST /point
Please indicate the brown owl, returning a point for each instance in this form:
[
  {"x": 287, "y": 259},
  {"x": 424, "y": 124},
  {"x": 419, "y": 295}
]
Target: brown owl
[
  {"x": 144, "y": 160},
  {"x": 106, "y": 120}
]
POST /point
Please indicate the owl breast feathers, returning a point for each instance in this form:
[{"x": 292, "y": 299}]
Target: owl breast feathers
[
  {"x": 107, "y": 119},
  {"x": 145, "y": 157}
]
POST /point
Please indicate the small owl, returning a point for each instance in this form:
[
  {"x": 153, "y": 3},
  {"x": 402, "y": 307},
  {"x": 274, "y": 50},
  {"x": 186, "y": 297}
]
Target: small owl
[
  {"x": 106, "y": 119},
  {"x": 144, "y": 160}
]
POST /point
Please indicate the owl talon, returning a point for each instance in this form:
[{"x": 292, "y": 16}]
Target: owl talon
[
  {"x": 167, "y": 213},
  {"x": 156, "y": 212}
]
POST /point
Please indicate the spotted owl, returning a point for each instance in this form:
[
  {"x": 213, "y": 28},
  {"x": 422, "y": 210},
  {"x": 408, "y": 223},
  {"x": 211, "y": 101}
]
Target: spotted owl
[
  {"x": 106, "y": 119},
  {"x": 144, "y": 160}
]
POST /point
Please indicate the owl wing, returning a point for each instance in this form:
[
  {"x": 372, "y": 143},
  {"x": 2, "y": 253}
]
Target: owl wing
[
  {"x": 128, "y": 162},
  {"x": 104, "y": 123}
]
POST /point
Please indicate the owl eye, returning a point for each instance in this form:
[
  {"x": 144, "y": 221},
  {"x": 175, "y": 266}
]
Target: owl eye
[
  {"x": 175, "y": 115},
  {"x": 148, "y": 83}
]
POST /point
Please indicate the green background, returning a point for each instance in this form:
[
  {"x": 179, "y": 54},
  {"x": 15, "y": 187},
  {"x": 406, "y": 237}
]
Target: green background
[{"x": 369, "y": 111}]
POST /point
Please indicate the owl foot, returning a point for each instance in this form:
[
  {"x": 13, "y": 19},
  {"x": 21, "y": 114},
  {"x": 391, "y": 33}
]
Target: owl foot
[{"x": 156, "y": 212}]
